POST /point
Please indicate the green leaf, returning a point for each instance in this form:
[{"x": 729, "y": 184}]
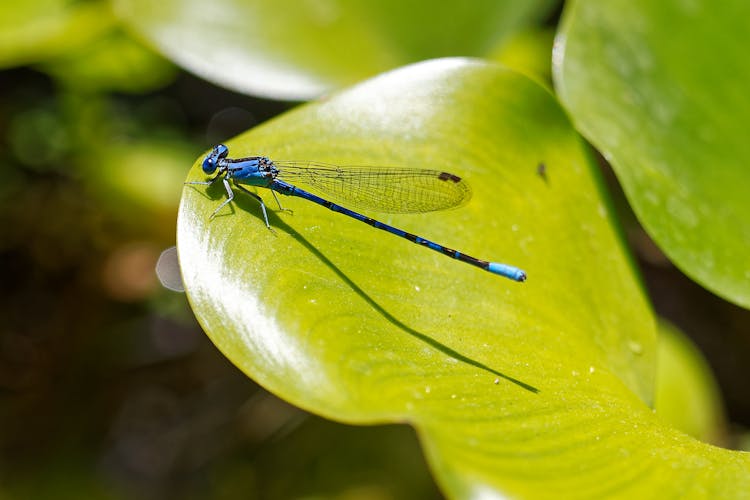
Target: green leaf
[
  {"x": 296, "y": 50},
  {"x": 514, "y": 389},
  {"x": 687, "y": 395},
  {"x": 528, "y": 52},
  {"x": 138, "y": 174},
  {"x": 114, "y": 62},
  {"x": 660, "y": 88},
  {"x": 36, "y": 30}
]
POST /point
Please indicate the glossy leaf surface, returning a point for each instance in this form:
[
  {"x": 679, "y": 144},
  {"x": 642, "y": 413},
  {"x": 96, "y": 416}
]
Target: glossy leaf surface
[
  {"x": 514, "y": 389},
  {"x": 660, "y": 88}
]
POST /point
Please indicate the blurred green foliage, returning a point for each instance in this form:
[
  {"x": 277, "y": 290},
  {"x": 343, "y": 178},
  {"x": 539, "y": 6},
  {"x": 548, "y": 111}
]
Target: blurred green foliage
[
  {"x": 299, "y": 50},
  {"x": 109, "y": 388},
  {"x": 31, "y": 32},
  {"x": 686, "y": 392}
]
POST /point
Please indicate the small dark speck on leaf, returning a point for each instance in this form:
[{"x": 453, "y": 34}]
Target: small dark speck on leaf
[{"x": 541, "y": 171}]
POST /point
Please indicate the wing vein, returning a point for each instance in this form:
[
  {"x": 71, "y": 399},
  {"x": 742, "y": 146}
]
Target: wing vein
[{"x": 382, "y": 189}]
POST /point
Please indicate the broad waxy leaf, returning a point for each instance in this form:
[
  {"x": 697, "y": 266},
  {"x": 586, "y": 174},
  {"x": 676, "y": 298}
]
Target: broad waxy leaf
[
  {"x": 661, "y": 89},
  {"x": 287, "y": 49},
  {"x": 514, "y": 389}
]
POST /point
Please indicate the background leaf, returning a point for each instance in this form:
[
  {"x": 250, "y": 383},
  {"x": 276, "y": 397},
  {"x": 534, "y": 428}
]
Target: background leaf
[
  {"x": 687, "y": 395},
  {"x": 527, "y": 52},
  {"x": 518, "y": 389},
  {"x": 40, "y": 29},
  {"x": 295, "y": 50},
  {"x": 660, "y": 88},
  {"x": 114, "y": 62}
]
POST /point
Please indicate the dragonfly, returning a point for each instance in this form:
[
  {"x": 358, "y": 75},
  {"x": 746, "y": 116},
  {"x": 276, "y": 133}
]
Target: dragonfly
[{"x": 381, "y": 189}]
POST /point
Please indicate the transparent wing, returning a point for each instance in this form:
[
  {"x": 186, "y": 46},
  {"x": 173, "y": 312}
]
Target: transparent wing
[{"x": 381, "y": 189}]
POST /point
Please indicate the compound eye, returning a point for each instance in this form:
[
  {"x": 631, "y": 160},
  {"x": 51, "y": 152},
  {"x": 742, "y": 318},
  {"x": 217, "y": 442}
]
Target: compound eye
[
  {"x": 221, "y": 151},
  {"x": 209, "y": 164}
]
